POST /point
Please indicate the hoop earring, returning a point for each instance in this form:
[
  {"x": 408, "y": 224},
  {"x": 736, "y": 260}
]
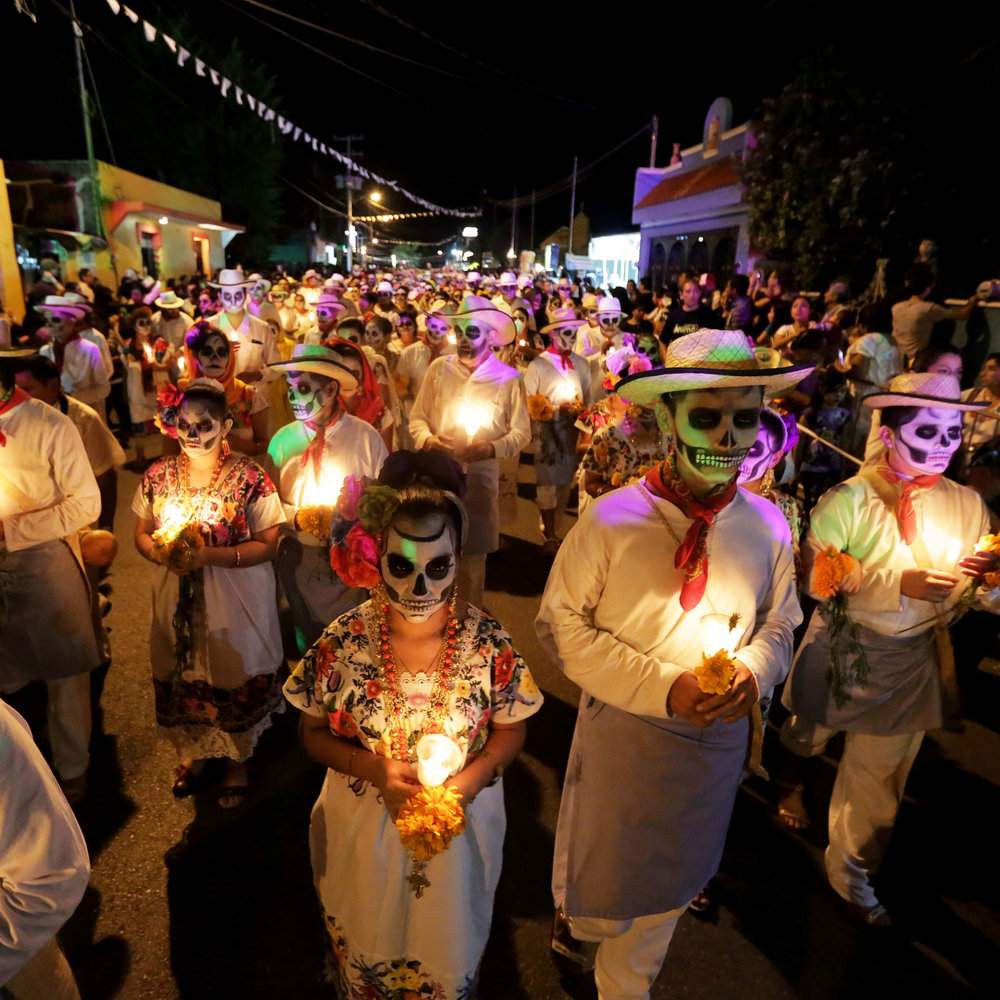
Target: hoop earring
[{"x": 767, "y": 481}]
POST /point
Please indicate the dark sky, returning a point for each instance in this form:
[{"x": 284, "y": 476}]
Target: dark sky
[{"x": 505, "y": 95}]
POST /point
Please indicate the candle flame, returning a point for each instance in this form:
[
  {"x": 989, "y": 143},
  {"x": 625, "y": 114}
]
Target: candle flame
[
  {"x": 472, "y": 416},
  {"x": 148, "y": 351},
  {"x": 954, "y": 551}
]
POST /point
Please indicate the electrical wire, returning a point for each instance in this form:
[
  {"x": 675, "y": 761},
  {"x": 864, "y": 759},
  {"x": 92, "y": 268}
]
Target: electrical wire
[
  {"x": 97, "y": 98},
  {"x": 379, "y": 9}
]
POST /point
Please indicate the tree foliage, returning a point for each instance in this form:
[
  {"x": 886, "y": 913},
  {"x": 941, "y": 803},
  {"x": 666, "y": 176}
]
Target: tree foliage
[{"x": 838, "y": 174}]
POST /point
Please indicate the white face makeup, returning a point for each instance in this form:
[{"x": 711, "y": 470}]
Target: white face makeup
[
  {"x": 418, "y": 565},
  {"x": 326, "y": 318},
  {"x": 647, "y": 347},
  {"x": 714, "y": 430},
  {"x": 472, "y": 342},
  {"x": 353, "y": 365},
  {"x": 60, "y": 325},
  {"x": 927, "y": 441},
  {"x": 564, "y": 338},
  {"x": 374, "y": 337},
  {"x": 763, "y": 455},
  {"x": 437, "y": 330},
  {"x": 213, "y": 356},
  {"x": 311, "y": 396},
  {"x": 232, "y": 299},
  {"x": 198, "y": 431}
]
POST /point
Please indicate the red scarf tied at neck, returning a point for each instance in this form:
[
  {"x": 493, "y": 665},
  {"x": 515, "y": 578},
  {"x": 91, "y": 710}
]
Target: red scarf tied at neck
[
  {"x": 692, "y": 554},
  {"x": 905, "y": 513},
  {"x": 564, "y": 358},
  {"x": 8, "y": 400},
  {"x": 315, "y": 450}
]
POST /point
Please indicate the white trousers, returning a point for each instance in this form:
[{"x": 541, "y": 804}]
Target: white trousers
[
  {"x": 866, "y": 796},
  {"x": 471, "y": 579},
  {"x": 631, "y": 952},
  {"x": 69, "y": 725},
  {"x": 46, "y": 977}
]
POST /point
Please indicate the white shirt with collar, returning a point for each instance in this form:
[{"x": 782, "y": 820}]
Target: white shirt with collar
[{"x": 258, "y": 345}]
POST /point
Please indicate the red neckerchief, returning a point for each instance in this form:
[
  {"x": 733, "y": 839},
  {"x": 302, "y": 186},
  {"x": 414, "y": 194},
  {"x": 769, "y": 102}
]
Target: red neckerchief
[
  {"x": 692, "y": 555},
  {"x": 18, "y": 396},
  {"x": 907, "y": 487},
  {"x": 564, "y": 358},
  {"x": 315, "y": 449}
]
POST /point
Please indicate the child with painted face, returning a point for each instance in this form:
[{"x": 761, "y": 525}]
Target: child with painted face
[
  {"x": 557, "y": 385},
  {"x": 908, "y": 536},
  {"x": 208, "y": 353},
  {"x": 414, "y": 660},
  {"x": 309, "y": 460},
  {"x": 416, "y": 358},
  {"x": 215, "y": 645}
]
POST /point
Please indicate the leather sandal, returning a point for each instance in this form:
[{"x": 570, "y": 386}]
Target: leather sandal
[{"x": 187, "y": 780}]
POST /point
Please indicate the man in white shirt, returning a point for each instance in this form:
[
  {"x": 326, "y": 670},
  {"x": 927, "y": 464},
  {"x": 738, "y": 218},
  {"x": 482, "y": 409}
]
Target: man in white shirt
[
  {"x": 308, "y": 461},
  {"x": 85, "y": 373},
  {"x": 258, "y": 346},
  {"x": 656, "y": 761},
  {"x": 416, "y": 358},
  {"x": 47, "y": 494},
  {"x": 471, "y": 405},
  {"x": 329, "y": 310},
  {"x": 904, "y": 534},
  {"x": 44, "y": 868}
]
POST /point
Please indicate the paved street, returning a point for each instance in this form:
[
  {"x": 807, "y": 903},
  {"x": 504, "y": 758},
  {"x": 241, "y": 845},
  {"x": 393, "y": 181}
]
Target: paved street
[{"x": 188, "y": 901}]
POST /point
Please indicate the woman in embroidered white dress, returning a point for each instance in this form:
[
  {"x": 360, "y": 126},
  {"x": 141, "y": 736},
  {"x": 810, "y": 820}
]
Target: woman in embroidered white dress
[{"x": 455, "y": 670}]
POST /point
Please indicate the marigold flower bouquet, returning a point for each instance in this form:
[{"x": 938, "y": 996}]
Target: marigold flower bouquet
[
  {"x": 539, "y": 407},
  {"x": 175, "y": 547},
  {"x": 848, "y": 663},
  {"x": 716, "y": 671},
  {"x": 430, "y": 820}
]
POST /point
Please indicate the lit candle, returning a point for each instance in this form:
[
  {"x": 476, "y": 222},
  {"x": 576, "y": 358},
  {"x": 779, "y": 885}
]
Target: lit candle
[
  {"x": 564, "y": 392},
  {"x": 174, "y": 515},
  {"x": 954, "y": 551},
  {"x": 180, "y": 364},
  {"x": 325, "y": 490},
  {"x": 438, "y": 758},
  {"x": 470, "y": 417},
  {"x": 718, "y": 639},
  {"x": 148, "y": 351},
  {"x": 451, "y": 339},
  {"x": 718, "y": 634}
]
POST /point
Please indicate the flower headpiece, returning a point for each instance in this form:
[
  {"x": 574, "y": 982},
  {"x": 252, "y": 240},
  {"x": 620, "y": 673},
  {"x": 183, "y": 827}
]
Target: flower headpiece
[
  {"x": 169, "y": 399},
  {"x": 625, "y": 361},
  {"x": 362, "y": 513}
]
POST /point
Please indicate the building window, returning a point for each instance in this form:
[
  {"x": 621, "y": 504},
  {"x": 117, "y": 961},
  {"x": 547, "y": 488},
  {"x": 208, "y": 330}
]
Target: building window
[
  {"x": 724, "y": 260},
  {"x": 675, "y": 262},
  {"x": 148, "y": 250}
]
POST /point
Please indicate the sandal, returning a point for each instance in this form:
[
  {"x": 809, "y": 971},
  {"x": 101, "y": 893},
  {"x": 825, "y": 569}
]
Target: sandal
[
  {"x": 701, "y": 903},
  {"x": 188, "y": 779},
  {"x": 233, "y": 794},
  {"x": 791, "y": 809}
]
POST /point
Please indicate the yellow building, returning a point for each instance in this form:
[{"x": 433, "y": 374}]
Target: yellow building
[{"x": 146, "y": 225}]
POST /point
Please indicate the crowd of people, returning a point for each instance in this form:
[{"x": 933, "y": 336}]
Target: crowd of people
[{"x": 345, "y": 452}]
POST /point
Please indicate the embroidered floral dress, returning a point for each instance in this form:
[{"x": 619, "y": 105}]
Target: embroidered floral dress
[
  {"x": 386, "y": 943},
  {"x": 215, "y": 646}
]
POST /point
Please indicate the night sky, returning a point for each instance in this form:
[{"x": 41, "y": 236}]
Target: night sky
[{"x": 504, "y": 97}]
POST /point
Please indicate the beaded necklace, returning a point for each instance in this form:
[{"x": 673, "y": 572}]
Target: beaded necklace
[
  {"x": 396, "y": 709},
  {"x": 184, "y": 471}
]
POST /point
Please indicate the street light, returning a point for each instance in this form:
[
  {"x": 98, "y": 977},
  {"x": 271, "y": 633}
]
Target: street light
[
  {"x": 510, "y": 254},
  {"x": 470, "y": 232},
  {"x": 375, "y": 196}
]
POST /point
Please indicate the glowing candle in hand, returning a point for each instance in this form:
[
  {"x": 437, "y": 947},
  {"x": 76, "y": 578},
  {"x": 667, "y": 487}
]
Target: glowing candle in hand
[
  {"x": 438, "y": 758},
  {"x": 471, "y": 417}
]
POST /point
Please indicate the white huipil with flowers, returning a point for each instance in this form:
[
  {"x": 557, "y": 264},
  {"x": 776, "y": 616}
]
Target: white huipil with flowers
[{"x": 384, "y": 939}]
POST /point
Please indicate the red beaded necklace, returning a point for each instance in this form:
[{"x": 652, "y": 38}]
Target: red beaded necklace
[{"x": 402, "y": 738}]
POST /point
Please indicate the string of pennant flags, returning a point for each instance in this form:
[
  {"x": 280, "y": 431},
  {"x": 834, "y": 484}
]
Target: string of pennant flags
[{"x": 228, "y": 89}]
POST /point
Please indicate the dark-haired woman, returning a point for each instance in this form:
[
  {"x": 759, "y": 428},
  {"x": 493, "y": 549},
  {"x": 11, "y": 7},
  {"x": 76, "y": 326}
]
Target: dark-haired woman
[
  {"x": 215, "y": 646},
  {"x": 411, "y": 661}
]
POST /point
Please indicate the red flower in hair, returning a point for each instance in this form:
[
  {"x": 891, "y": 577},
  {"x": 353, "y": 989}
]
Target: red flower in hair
[
  {"x": 357, "y": 562},
  {"x": 350, "y": 494}
]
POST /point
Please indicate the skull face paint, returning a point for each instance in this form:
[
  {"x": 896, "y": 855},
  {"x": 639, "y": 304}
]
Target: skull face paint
[
  {"x": 198, "y": 431},
  {"x": 714, "y": 430},
  {"x": 374, "y": 337},
  {"x": 437, "y": 330},
  {"x": 311, "y": 396},
  {"x": 213, "y": 356},
  {"x": 648, "y": 347},
  {"x": 472, "y": 343},
  {"x": 927, "y": 441},
  {"x": 326, "y": 318},
  {"x": 418, "y": 565},
  {"x": 763, "y": 455},
  {"x": 564, "y": 338},
  {"x": 232, "y": 299}
]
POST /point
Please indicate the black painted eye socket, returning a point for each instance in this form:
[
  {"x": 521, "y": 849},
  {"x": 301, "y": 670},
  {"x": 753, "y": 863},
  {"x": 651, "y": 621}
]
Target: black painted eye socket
[
  {"x": 747, "y": 418},
  {"x": 926, "y": 431},
  {"x": 399, "y": 566},
  {"x": 954, "y": 433},
  {"x": 438, "y": 569},
  {"x": 704, "y": 419}
]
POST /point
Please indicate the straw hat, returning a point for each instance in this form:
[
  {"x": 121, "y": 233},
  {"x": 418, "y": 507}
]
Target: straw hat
[
  {"x": 589, "y": 301},
  {"x": 709, "y": 359},
  {"x": 320, "y": 361},
  {"x": 609, "y": 306},
  {"x": 564, "y": 317},
  {"x": 70, "y": 304},
  {"x": 169, "y": 300},
  {"x": 259, "y": 279},
  {"x": 440, "y": 310},
  {"x": 525, "y": 280},
  {"x": 931, "y": 389},
  {"x": 232, "y": 278},
  {"x": 499, "y": 322},
  {"x": 507, "y": 278},
  {"x": 327, "y": 300},
  {"x": 384, "y": 288}
]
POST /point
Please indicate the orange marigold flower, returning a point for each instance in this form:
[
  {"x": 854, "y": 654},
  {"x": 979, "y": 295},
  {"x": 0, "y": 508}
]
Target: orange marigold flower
[
  {"x": 828, "y": 571},
  {"x": 715, "y": 673},
  {"x": 539, "y": 408},
  {"x": 428, "y": 821}
]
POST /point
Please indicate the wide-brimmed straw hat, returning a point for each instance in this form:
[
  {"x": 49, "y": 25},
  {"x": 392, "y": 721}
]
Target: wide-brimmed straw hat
[
  {"x": 564, "y": 316},
  {"x": 68, "y": 303},
  {"x": 169, "y": 300},
  {"x": 478, "y": 307},
  {"x": 320, "y": 361},
  {"x": 608, "y": 305},
  {"x": 259, "y": 279},
  {"x": 709, "y": 359},
  {"x": 931, "y": 389},
  {"x": 232, "y": 278},
  {"x": 329, "y": 301}
]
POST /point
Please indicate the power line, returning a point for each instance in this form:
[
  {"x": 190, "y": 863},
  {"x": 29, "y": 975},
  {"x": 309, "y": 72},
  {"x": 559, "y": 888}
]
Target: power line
[{"x": 379, "y": 9}]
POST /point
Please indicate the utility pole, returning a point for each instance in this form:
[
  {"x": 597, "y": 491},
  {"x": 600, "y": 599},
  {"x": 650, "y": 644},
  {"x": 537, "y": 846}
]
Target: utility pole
[
  {"x": 513, "y": 225},
  {"x": 572, "y": 208},
  {"x": 350, "y": 197},
  {"x": 652, "y": 148},
  {"x": 88, "y": 136},
  {"x": 531, "y": 241}
]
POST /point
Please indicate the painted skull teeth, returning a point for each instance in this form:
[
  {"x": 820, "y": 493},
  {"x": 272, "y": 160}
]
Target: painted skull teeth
[{"x": 718, "y": 460}]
